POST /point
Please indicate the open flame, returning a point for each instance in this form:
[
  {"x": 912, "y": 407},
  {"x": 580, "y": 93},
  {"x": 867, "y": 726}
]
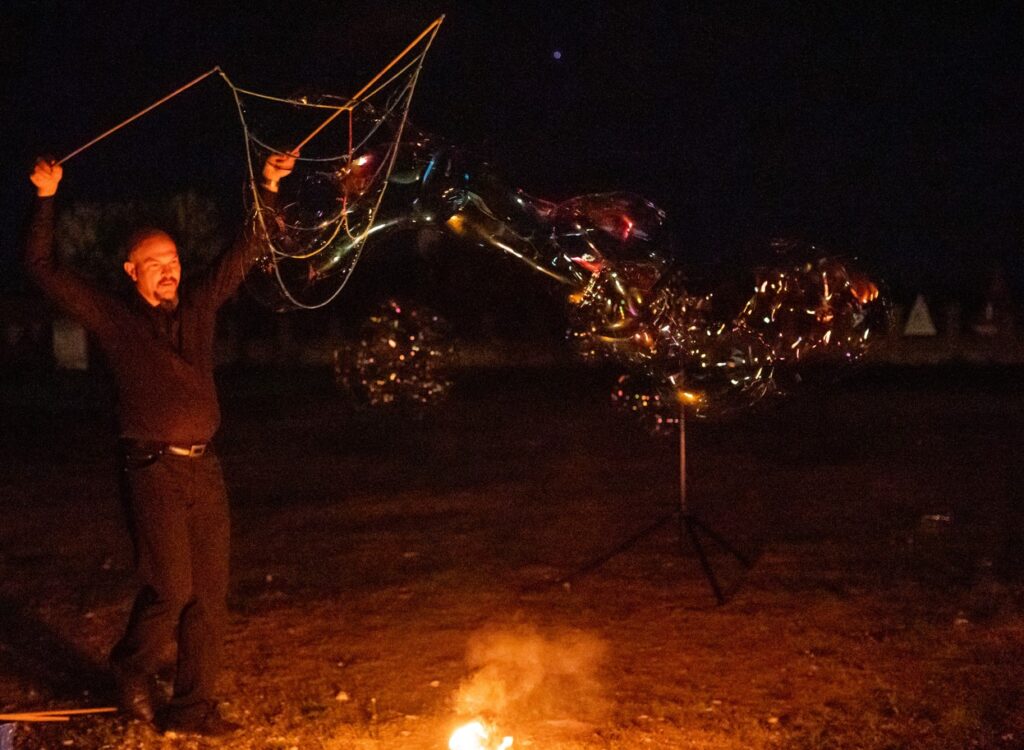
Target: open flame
[{"x": 476, "y": 736}]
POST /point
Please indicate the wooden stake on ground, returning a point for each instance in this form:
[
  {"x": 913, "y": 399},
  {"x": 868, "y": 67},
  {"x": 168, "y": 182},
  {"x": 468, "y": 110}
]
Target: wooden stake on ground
[{"x": 55, "y": 714}]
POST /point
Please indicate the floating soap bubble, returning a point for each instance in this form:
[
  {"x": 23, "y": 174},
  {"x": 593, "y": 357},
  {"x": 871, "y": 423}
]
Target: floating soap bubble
[
  {"x": 402, "y": 358},
  {"x": 611, "y": 254},
  {"x": 811, "y": 306},
  {"x": 650, "y": 399}
]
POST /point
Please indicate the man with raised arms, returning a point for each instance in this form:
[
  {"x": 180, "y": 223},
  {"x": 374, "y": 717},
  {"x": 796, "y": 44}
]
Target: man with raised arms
[{"x": 160, "y": 345}]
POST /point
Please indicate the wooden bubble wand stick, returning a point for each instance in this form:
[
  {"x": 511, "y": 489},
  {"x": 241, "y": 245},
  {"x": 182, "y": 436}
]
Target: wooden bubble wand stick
[
  {"x": 55, "y": 715},
  {"x": 137, "y": 115},
  {"x": 355, "y": 99}
]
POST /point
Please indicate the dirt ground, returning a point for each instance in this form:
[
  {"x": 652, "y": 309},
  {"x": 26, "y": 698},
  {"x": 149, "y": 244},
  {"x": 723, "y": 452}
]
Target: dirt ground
[{"x": 394, "y": 576}]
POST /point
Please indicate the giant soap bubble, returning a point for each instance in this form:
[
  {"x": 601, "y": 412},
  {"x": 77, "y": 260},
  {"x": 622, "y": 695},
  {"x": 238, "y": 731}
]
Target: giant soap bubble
[
  {"x": 610, "y": 254},
  {"x": 401, "y": 358}
]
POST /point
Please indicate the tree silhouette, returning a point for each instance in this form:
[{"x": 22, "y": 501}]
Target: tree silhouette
[{"x": 91, "y": 237}]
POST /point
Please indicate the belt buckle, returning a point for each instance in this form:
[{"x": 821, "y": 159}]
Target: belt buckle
[{"x": 191, "y": 451}]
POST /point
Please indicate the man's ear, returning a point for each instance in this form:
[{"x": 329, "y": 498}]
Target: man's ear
[{"x": 129, "y": 268}]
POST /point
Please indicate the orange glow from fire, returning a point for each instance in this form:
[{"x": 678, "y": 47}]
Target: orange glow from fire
[{"x": 476, "y": 736}]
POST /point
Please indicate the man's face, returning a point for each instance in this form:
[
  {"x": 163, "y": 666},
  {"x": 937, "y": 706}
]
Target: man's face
[{"x": 154, "y": 267}]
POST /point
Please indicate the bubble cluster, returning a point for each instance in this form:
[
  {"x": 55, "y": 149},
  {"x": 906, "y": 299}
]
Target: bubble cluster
[
  {"x": 806, "y": 309},
  {"x": 629, "y": 300},
  {"x": 401, "y": 358}
]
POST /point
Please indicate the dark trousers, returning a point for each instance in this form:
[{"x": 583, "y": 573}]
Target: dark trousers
[{"x": 178, "y": 518}]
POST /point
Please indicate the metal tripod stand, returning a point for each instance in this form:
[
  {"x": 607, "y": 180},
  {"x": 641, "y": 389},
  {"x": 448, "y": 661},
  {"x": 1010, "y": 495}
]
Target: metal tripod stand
[{"x": 691, "y": 528}]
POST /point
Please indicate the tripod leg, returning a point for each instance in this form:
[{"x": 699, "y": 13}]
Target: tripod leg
[
  {"x": 618, "y": 549},
  {"x": 688, "y": 527},
  {"x": 721, "y": 541}
]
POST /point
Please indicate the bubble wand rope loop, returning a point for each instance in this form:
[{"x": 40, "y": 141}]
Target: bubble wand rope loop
[
  {"x": 432, "y": 27},
  {"x": 259, "y": 219},
  {"x": 137, "y": 115}
]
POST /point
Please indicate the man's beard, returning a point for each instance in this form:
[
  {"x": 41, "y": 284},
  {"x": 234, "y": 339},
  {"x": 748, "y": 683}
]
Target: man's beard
[{"x": 169, "y": 302}]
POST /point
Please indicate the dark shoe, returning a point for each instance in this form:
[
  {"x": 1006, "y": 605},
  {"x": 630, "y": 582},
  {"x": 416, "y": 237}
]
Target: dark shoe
[
  {"x": 199, "y": 718},
  {"x": 133, "y": 696}
]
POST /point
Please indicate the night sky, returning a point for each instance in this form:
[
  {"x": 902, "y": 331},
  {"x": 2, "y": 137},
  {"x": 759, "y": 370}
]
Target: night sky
[{"x": 892, "y": 132}]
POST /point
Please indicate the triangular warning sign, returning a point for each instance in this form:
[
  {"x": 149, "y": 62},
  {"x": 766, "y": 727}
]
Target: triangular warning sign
[{"x": 919, "y": 322}]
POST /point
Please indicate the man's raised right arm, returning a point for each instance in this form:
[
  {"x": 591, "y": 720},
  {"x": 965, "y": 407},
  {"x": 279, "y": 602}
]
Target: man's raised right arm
[{"x": 66, "y": 289}]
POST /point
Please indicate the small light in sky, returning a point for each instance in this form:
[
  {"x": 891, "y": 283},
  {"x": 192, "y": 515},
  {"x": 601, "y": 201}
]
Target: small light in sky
[{"x": 557, "y": 54}]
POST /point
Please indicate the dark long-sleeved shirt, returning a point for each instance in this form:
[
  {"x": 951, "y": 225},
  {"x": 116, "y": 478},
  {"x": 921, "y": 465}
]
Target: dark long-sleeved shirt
[{"x": 162, "y": 359}]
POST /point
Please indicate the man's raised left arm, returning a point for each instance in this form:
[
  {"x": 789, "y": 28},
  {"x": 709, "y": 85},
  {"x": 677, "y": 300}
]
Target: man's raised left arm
[{"x": 226, "y": 276}]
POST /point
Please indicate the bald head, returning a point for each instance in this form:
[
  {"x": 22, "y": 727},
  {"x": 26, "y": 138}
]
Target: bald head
[{"x": 154, "y": 266}]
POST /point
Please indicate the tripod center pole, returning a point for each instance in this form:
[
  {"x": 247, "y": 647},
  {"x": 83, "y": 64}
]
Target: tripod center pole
[{"x": 682, "y": 459}]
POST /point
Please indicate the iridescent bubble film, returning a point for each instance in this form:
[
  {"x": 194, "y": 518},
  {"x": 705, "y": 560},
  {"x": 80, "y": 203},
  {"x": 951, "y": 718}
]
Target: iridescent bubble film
[
  {"x": 810, "y": 305},
  {"x": 402, "y": 357},
  {"x": 651, "y": 401},
  {"x": 612, "y": 257},
  {"x": 315, "y": 229}
]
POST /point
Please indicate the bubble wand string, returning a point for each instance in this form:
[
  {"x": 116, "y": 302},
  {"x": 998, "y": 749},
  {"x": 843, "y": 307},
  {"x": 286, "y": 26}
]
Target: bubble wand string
[
  {"x": 140, "y": 113},
  {"x": 415, "y": 65},
  {"x": 355, "y": 99}
]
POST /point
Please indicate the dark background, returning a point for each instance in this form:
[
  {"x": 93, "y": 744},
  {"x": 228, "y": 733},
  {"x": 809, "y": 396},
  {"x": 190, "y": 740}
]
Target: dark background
[{"x": 890, "y": 132}]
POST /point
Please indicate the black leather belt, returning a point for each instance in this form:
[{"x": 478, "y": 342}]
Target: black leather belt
[{"x": 136, "y": 447}]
